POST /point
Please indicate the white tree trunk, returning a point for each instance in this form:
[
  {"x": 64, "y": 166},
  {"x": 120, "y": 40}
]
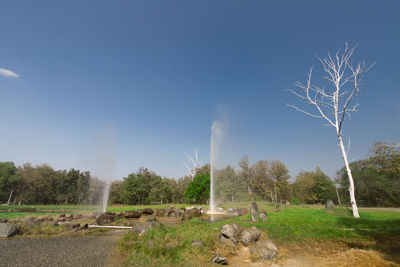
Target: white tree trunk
[{"x": 351, "y": 182}]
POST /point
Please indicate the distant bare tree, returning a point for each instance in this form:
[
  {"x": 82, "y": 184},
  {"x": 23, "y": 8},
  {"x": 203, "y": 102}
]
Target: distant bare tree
[
  {"x": 334, "y": 102},
  {"x": 192, "y": 163}
]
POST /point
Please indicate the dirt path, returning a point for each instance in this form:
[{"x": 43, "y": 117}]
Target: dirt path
[{"x": 95, "y": 250}]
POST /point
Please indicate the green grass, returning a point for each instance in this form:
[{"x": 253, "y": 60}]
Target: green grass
[{"x": 304, "y": 225}]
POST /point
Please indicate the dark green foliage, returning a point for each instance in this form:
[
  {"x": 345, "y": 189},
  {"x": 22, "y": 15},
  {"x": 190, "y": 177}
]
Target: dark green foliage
[
  {"x": 377, "y": 179},
  {"x": 144, "y": 187},
  {"x": 313, "y": 187},
  {"x": 42, "y": 184},
  {"x": 199, "y": 188}
]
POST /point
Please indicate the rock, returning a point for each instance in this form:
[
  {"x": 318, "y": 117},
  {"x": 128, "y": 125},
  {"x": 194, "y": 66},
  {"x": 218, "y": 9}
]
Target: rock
[
  {"x": 172, "y": 244},
  {"x": 287, "y": 203},
  {"x": 83, "y": 227},
  {"x": 232, "y": 231},
  {"x": 218, "y": 259},
  {"x": 159, "y": 212},
  {"x": 142, "y": 228},
  {"x": 227, "y": 241},
  {"x": 105, "y": 218},
  {"x": 254, "y": 212},
  {"x": 243, "y": 211},
  {"x": 233, "y": 211},
  {"x": 171, "y": 212},
  {"x": 250, "y": 236},
  {"x": 62, "y": 215},
  {"x": 181, "y": 214},
  {"x": 264, "y": 216},
  {"x": 30, "y": 222},
  {"x": 8, "y": 229},
  {"x": 147, "y": 211},
  {"x": 265, "y": 249},
  {"x": 151, "y": 218},
  {"x": 220, "y": 209},
  {"x": 194, "y": 212},
  {"x": 198, "y": 243},
  {"x": 329, "y": 205},
  {"x": 132, "y": 214},
  {"x": 3, "y": 220}
]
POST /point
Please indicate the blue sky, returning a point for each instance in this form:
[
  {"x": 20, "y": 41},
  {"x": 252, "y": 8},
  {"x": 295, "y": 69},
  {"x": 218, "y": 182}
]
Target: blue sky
[{"x": 147, "y": 78}]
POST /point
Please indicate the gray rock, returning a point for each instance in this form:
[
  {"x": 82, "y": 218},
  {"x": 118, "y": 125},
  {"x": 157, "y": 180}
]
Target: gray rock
[
  {"x": 232, "y": 231},
  {"x": 265, "y": 249},
  {"x": 254, "y": 212},
  {"x": 30, "y": 222},
  {"x": 147, "y": 211},
  {"x": 181, "y": 214},
  {"x": 8, "y": 229},
  {"x": 172, "y": 245},
  {"x": 218, "y": 259},
  {"x": 143, "y": 228},
  {"x": 132, "y": 214},
  {"x": 194, "y": 212},
  {"x": 250, "y": 236},
  {"x": 159, "y": 212},
  {"x": 264, "y": 216},
  {"x": 105, "y": 218},
  {"x": 329, "y": 205},
  {"x": 198, "y": 243}
]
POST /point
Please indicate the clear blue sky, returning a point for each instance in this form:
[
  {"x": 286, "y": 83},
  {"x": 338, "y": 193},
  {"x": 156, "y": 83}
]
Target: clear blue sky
[{"x": 149, "y": 77}]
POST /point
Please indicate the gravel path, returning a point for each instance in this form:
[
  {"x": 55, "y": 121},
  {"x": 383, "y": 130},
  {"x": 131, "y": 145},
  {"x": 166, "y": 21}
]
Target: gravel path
[{"x": 59, "y": 251}]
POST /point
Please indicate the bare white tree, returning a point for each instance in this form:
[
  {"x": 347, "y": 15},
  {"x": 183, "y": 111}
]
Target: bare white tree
[
  {"x": 334, "y": 102},
  {"x": 192, "y": 163}
]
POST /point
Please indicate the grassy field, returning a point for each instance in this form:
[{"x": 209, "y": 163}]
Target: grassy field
[{"x": 289, "y": 227}]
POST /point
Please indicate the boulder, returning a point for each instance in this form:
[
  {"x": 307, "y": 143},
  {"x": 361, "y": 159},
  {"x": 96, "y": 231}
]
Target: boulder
[
  {"x": 218, "y": 259},
  {"x": 30, "y": 222},
  {"x": 254, "y": 212},
  {"x": 194, "y": 212},
  {"x": 249, "y": 236},
  {"x": 171, "y": 212},
  {"x": 264, "y": 216},
  {"x": 159, "y": 212},
  {"x": 329, "y": 205},
  {"x": 243, "y": 211},
  {"x": 232, "y": 231},
  {"x": 8, "y": 229},
  {"x": 198, "y": 243},
  {"x": 181, "y": 214},
  {"x": 143, "y": 228},
  {"x": 265, "y": 249},
  {"x": 105, "y": 218},
  {"x": 132, "y": 214},
  {"x": 233, "y": 211},
  {"x": 147, "y": 211}
]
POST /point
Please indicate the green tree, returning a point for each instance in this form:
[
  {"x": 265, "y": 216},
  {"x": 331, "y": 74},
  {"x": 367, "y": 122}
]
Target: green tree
[{"x": 199, "y": 189}]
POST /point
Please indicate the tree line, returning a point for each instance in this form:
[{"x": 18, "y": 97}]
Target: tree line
[{"x": 377, "y": 183}]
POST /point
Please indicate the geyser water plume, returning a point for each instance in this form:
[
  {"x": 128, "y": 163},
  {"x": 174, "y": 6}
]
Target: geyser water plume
[
  {"x": 101, "y": 161},
  {"x": 217, "y": 132}
]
